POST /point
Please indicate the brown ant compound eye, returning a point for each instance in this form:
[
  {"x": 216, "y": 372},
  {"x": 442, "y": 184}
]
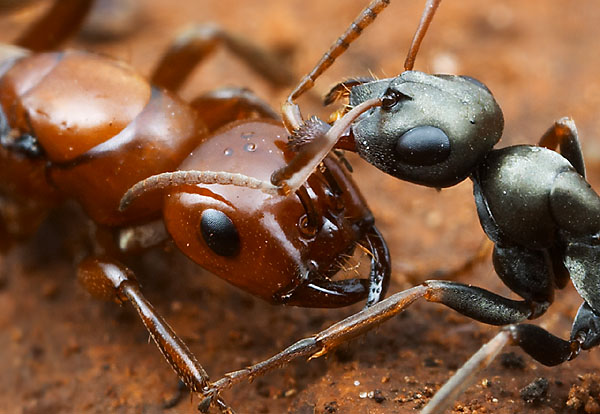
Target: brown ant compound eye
[{"x": 219, "y": 233}]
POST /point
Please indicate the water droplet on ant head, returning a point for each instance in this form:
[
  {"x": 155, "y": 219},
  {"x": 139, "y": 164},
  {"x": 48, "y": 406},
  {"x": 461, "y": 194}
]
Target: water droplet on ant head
[
  {"x": 228, "y": 152},
  {"x": 247, "y": 135},
  {"x": 250, "y": 147}
]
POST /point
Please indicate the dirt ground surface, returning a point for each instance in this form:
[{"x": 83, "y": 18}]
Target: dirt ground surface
[{"x": 63, "y": 352}]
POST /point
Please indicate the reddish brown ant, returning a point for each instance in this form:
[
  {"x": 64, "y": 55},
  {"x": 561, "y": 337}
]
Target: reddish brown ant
[{"x": 109, "y": 129}]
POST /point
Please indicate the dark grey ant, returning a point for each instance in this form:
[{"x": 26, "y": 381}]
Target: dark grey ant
[{"x": 533, "y": 202}]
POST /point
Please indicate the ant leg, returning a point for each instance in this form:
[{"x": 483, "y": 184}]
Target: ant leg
[
  {"x": 586, "y": 327},
  {"x": 197, "y": 42},
  {"x": 109, "y": 280},
  {"x": 467, "y": 374},
  {"x": 61, "y": 21},
  {"x": 224, "y": 105},
  {"x": 551, "y": 350},
  {"x": 575, "y": 207},
  {"x": 564, "y": 134},
  {"x": 112, "y": 19},
  {"x": 12, "y": 5},
  {"x": 585, "y": 334},
  {"x": 471, "y": 301},
  {"x": 19, "y": 220}
]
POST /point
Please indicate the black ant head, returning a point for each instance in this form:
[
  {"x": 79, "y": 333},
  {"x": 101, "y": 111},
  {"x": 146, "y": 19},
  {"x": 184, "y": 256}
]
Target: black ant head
[{"x": 430, "y": 129}]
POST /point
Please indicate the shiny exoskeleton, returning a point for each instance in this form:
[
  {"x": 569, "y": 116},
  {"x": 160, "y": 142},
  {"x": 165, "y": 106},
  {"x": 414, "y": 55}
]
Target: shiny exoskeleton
[
  {"x": 533, "y": 203},
  {"x": 75, "y": 125}
]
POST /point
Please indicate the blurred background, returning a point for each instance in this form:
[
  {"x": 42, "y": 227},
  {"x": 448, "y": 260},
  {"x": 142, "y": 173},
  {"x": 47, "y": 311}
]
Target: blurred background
[{"x": 64, "y": 352}]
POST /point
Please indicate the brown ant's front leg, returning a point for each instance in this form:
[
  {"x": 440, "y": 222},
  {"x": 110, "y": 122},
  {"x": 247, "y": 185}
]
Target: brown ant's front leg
[
  {"x": 322, "y": 342},
  {"x": 109, "y": 280},
  {"x": 196, "y": 43}
]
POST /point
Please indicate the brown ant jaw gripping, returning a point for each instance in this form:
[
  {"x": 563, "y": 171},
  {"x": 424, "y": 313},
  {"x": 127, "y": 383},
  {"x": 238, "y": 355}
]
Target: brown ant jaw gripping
[{"x": 323, "y": 289}]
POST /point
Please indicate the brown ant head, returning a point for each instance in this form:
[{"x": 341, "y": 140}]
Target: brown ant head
[
  {"x": 430, "y": 129},
  {"x": 285, "y": 249}
]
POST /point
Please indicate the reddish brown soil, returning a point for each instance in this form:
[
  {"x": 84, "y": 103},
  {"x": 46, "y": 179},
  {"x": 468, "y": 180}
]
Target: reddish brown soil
[{"x": 63, "y": 352}]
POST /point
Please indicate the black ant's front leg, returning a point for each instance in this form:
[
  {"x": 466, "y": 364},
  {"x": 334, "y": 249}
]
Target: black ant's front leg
[{"x": 474, "y": 302}]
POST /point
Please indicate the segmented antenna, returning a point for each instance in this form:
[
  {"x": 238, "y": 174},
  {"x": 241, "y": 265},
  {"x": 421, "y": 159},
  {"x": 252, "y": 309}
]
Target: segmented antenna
[
  {"x": 292, "y": 176},
  {"x": 179, "y": 178},
  {"x": 292, "y": 118},
  {"x": 364, "y": 19},
  {"x": 291, "y": 113},
  {"x": 426, "y": 18}
]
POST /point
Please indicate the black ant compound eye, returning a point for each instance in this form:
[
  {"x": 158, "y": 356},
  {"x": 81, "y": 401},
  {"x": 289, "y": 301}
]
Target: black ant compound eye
[
  {"x": 391, "y": 97},
  {"x": 219, "y": 233},
  {"x": 423, "y": 145}
]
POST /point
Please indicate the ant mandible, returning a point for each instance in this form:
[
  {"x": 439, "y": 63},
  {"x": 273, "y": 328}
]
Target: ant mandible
[
  {"x": 74, "y": 125},
  {"x": 533, "y": 203}
]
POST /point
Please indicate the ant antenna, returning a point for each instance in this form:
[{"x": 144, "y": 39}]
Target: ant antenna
[
  {"x": 426, "y": 18},
  {"x": 290, "y": 177},
  {"x": 293, "y": 175},
  {"x": 179, "y": 178},
  {"x": 292, "y": 118}
]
